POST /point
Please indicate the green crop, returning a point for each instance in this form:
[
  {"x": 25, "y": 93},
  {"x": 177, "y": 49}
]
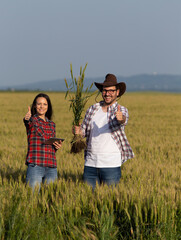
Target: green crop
[
  {"x": 146, "y": 204},
  {"x": 78, "y": 97}
]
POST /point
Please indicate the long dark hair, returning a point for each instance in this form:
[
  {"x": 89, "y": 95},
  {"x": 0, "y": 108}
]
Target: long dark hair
[{"x": 49, "y": 112}]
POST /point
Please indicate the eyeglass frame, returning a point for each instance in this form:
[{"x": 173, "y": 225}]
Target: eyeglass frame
[{"x": 110, "y": 91}]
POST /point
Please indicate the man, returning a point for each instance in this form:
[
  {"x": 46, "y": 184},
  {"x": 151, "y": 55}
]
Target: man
[{"x": 103, "y": 127}]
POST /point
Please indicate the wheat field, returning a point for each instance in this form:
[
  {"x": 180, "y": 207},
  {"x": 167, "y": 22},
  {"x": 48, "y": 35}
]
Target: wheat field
[{"x": 146, "y": 204}]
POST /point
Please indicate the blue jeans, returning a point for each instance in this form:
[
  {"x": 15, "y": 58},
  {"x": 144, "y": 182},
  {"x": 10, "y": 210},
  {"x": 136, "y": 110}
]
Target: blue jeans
[
  {"x": 36, "y": 175},
  {"x": 109, "y": 176}
]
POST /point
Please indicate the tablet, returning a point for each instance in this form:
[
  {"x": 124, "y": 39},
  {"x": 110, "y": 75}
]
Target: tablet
[{"x": 53, "y": 139}]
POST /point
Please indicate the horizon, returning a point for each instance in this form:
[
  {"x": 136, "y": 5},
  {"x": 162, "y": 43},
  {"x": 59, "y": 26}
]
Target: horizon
[
  {"x": 98, "y": 77},
  {"x": 134, "y": 83}
]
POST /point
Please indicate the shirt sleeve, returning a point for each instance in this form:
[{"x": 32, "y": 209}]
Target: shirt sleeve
[
  {"x": 28, "y": 123},
  {"x": 85, "y": 122}
]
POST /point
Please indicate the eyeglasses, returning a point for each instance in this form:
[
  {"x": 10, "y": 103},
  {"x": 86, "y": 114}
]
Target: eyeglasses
[{"x": 110, "y": 91}]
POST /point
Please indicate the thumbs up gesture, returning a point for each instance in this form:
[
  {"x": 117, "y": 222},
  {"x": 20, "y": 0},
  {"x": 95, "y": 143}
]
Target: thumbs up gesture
[
  {"x": 119, "y": 115},
  {"x": 28, "y": 115}
]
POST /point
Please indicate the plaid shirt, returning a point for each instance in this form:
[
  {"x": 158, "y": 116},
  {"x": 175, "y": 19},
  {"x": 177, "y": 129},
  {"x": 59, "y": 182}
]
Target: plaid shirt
[
  {"x": 38, "y": 131},
  {"x": 117, "y": 129}
]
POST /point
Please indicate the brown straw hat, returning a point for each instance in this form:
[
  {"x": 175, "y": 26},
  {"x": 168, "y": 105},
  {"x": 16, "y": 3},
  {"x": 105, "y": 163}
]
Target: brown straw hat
[{"x": 111, "y": 80}]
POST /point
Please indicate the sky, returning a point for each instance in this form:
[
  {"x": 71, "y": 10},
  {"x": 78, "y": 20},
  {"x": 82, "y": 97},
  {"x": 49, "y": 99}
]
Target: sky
[{"x": 40, "y": 38}]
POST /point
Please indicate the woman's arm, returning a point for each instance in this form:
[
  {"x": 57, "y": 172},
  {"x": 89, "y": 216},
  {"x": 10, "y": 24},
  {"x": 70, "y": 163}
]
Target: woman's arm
[{"x": 27, "y": 118}]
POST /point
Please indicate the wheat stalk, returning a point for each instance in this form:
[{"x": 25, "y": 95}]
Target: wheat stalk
[{"x": 78, "y": 99}]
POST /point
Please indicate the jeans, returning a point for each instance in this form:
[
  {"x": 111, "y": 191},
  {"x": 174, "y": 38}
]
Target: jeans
[
  {"x": 109, "y": 176},
  {"x": 36, "y": 175}
]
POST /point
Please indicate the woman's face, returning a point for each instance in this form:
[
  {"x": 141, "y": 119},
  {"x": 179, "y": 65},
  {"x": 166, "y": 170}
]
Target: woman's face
[{"x": 41, "y": 107}]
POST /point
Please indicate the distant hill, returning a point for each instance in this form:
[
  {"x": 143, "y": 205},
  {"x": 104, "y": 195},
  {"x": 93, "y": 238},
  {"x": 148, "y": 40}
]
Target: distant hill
[{"x": 142, "y": 82}]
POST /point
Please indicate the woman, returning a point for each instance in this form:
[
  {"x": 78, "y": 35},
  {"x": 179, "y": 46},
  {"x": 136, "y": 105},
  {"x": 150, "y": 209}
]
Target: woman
[{"x": 41, "y": 160}]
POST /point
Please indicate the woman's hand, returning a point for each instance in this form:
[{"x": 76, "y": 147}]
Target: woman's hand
[
  {"x": 57, "y": 145},
  {"x": 28, "y": 115}
]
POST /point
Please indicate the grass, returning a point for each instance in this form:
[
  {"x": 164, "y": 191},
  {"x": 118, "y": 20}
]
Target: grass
[{"x": 146, "y": 204}]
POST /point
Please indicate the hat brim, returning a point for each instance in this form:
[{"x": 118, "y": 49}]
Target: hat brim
[{"x": 121, "y": 86}]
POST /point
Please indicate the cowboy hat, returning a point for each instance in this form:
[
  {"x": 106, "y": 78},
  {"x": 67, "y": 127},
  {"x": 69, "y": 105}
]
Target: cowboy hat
[{"x": 111, "y": 80}]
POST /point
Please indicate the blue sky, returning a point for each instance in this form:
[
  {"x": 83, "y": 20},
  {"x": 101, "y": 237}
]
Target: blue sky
[{"x": 40, "y": 38}]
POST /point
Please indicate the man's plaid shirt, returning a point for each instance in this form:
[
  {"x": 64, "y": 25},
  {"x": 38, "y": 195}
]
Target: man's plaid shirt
[
  {"x": 117, "y": 129},
  {"x": 37, "y": 132}
]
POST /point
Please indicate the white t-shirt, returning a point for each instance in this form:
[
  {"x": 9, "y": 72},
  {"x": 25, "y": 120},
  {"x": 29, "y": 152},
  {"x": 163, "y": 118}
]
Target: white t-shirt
[{"x": 102, "y": 151}]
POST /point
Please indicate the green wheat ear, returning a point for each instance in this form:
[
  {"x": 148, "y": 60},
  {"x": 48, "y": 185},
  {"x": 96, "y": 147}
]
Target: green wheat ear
[{"x": 77, "y": 96}]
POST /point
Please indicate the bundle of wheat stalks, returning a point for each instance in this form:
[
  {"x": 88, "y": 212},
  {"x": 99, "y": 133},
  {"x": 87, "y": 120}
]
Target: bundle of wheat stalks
[{"x": 78, "y": 97}]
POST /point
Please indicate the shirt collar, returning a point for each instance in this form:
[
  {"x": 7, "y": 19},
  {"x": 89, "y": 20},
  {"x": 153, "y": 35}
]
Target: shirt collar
[
  {"x": 112, "y": 107},
  {"x": 40, "y": 119}
]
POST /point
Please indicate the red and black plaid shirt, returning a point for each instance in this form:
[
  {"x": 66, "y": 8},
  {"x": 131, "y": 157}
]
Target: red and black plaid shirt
[{"x": 38, "y": 131}]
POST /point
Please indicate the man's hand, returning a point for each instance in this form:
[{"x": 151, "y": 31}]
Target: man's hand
[
  {"x": 28, "y": 115},
  {"x": 119, "y": 115},
  {"x": 76, "y": 130}
]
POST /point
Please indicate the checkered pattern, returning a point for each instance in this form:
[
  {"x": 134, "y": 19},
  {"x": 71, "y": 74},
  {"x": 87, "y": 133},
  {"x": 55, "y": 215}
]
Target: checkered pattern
[
  {"x": 37, "y": 132},
  {"x": 117, "y": 129}
]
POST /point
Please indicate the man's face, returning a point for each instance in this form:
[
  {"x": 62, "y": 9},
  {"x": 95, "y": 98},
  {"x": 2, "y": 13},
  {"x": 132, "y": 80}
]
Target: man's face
[{"x": 109, "y": 95}]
